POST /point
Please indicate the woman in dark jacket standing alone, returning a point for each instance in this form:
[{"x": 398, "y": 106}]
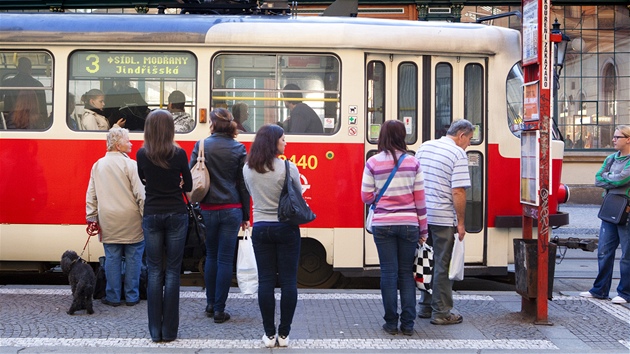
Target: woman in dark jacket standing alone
[
  {"x": 224, "y": 208},
  {"x": 163, "y": 168}
]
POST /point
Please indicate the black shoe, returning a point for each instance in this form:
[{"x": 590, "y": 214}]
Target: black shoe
[
  {"x": 210, "y": 311},
  {"x": 423, "y": 314},
  {"x": 133, "y": 303},
  {"x": 221, "y": 317},
  {"x": 392, "y": 331},
  {"x": 108, "y": 303},
  {"x": 407, "y": 331}
]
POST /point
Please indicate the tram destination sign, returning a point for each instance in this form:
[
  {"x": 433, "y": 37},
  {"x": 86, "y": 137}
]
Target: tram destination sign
[{"x": 137, "y": 64}]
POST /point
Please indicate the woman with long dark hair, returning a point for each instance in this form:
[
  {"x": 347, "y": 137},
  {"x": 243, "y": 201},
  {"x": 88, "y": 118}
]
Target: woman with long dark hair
[
  {"x": 224, "y": 208},
  {"x": 276, "y": 244},
  {"x": 399, "y": 221},
  {"x": 163, "y": 168}
]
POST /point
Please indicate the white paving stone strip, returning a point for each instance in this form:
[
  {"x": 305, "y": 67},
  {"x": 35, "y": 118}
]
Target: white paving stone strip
[
  {"x": 202, "y": 295},
  {"x": 379, "y": 344},
  {"x": 625, "y": 343},
  {"x": 618, "y": 311}
]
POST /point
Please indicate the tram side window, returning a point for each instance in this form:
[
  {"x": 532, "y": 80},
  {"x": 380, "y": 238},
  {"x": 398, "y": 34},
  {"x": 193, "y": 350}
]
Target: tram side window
[
  {"x": 25, "y": 90},
  {"x": 443, "y": 98},
  {"x": 474, "y": 194},
  {"x": 474, "y": 99},
  {"x": 408, "y": 100},
  {"x": 112, "y": 87},
  {"x": 375, "y": 98},
  {"x": 299, "y": 92}
]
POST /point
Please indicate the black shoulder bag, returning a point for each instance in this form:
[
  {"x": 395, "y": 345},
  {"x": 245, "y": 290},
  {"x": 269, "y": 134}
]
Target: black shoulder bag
[
  {"x": 614, "y": 209},
  {"x": 292, "y": 209}
]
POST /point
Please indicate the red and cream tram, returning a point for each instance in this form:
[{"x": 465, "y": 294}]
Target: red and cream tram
[{"x": 354, "y": 72}]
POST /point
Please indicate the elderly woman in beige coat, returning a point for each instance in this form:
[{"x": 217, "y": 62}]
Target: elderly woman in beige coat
[{"x": 114, "y": 205}]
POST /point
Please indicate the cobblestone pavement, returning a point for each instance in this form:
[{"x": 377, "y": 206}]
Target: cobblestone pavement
[{"x": 33, "y": 319}]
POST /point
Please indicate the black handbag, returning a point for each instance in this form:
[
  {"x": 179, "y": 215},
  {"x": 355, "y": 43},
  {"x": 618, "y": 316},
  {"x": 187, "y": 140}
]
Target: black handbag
[
  {"x": 615, "y": 209},
  {"x": 292, "y": 209},
  {"x": 195, "y": 247}
]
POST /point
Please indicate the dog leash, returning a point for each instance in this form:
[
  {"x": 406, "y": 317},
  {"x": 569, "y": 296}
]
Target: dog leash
[{"x": 92, "y": 230}]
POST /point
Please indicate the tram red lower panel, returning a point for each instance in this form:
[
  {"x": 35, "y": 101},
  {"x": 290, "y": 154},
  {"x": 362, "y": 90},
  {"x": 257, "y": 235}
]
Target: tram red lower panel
[
  {"x": 45, "y": 181},
  {"x": 504, "y": 185}
]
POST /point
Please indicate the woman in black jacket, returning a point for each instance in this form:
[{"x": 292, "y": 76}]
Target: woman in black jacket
[{"x": 224, "y": 208}]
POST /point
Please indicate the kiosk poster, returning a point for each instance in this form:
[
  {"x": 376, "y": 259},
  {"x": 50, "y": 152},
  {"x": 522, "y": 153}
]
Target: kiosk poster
[
  {"x": 529, "y": 167},
  {"x": 530, "y": 102},
  {"x": 530, "y": 32}
]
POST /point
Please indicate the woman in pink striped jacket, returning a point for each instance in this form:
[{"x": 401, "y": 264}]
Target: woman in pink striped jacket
[{"x": 399, "y": 222}]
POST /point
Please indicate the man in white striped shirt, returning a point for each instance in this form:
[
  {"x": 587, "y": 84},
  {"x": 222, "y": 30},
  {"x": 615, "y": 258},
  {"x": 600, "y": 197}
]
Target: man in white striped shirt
[{"x": 446, "y": 177}]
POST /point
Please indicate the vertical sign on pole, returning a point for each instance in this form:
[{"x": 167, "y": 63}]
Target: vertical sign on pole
[{"x": 537, "y": 68}]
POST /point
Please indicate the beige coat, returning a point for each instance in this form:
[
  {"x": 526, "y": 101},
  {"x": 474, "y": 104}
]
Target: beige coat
[
  {"x": 94, "y": 121},
  {"x": 115, "y": 199}
]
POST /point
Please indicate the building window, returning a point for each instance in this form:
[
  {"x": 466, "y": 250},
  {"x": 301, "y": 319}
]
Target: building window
[{"x": 592, "y": 81}]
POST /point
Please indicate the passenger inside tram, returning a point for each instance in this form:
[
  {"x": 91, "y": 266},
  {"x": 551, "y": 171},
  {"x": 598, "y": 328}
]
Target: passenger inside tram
[
  {"x": 123, "y": 100},
  {"x": 23, "y": 78},
  {"x": 302, "y": 118},
  {"x": 25, "y": 113}
]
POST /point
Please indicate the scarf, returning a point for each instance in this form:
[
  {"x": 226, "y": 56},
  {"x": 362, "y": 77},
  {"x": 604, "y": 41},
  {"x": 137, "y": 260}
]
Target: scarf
[{"x": 95, "y": 110}]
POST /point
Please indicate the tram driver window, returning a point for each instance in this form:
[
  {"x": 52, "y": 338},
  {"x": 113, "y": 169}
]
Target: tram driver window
[
  {"x": 297, "y": 91},
  {"x": 110, "y": 86},
  {"x": 25, "y": 90}
]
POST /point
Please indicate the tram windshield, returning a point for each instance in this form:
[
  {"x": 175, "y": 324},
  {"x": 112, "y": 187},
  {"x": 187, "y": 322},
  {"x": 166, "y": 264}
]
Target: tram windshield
[{"x": 514, "y": 94}]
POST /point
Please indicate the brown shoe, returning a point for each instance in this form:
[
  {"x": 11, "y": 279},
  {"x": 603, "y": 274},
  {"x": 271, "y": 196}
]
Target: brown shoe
[{"x": 448, "y": 320}]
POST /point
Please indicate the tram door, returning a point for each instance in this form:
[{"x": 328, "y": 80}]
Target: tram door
[{"x": 427, "y": 94}]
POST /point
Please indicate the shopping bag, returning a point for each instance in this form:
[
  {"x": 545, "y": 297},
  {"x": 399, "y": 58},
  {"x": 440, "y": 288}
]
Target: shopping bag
[
  {"x": 456, "y": 268},
  {"x": 246, "y": 270},
  {"x": 423, "y": 267}
]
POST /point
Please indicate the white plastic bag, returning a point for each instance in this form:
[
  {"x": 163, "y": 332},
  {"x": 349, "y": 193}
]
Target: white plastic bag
[
  {"x": 246, "y": 270},
  {"x": 456, "y": 269},
  {"x": 370, "y": 216}
]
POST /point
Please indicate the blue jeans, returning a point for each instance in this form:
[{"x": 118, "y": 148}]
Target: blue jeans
[
  {"x": 221, "y": 237},
  {"x": 114, "y": 269},
  {"x": 396, "y": 246},
  {"x": 165, "y": 237},
  {"x": 610, "y": 237},
  {"x": 277, "y": 249},
  {"x": 441, "y": 301}
]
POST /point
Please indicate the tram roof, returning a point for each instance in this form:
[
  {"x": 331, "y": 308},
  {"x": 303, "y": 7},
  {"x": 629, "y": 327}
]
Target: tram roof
[{"x": 232, "y": 31}]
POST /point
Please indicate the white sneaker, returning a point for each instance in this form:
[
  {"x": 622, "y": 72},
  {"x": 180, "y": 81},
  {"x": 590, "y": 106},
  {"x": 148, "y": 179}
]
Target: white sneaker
[
  {"x": 615, "y": 300},
  {"x": 283, "y": 341},
  {"x": 586, "y": 294},
  {"x": 269, "y": 342}
]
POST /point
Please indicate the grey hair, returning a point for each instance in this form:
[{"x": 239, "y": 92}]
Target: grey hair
[
  {"x": 115, "y": 135},
  {"x": 460, "y": 126}
]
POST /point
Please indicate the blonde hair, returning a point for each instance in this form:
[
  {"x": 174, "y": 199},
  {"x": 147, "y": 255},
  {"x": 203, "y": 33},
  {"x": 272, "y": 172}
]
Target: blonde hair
[{"x": 624, "y": 129}]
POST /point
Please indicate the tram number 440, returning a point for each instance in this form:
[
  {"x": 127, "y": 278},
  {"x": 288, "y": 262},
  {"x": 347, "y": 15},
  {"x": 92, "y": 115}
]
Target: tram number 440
[{"x": 303, "y": 161}]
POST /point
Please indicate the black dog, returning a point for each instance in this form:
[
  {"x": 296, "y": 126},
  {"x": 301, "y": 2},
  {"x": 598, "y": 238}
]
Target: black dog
[{"x": 82, "y": 280}]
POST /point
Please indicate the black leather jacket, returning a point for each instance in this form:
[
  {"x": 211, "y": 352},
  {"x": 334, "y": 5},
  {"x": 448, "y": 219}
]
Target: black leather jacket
[{"x": 225, "y": 158}]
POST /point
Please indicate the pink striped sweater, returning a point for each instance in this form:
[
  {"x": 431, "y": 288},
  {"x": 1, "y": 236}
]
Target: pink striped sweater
[{"x": 403, "y": 202}]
